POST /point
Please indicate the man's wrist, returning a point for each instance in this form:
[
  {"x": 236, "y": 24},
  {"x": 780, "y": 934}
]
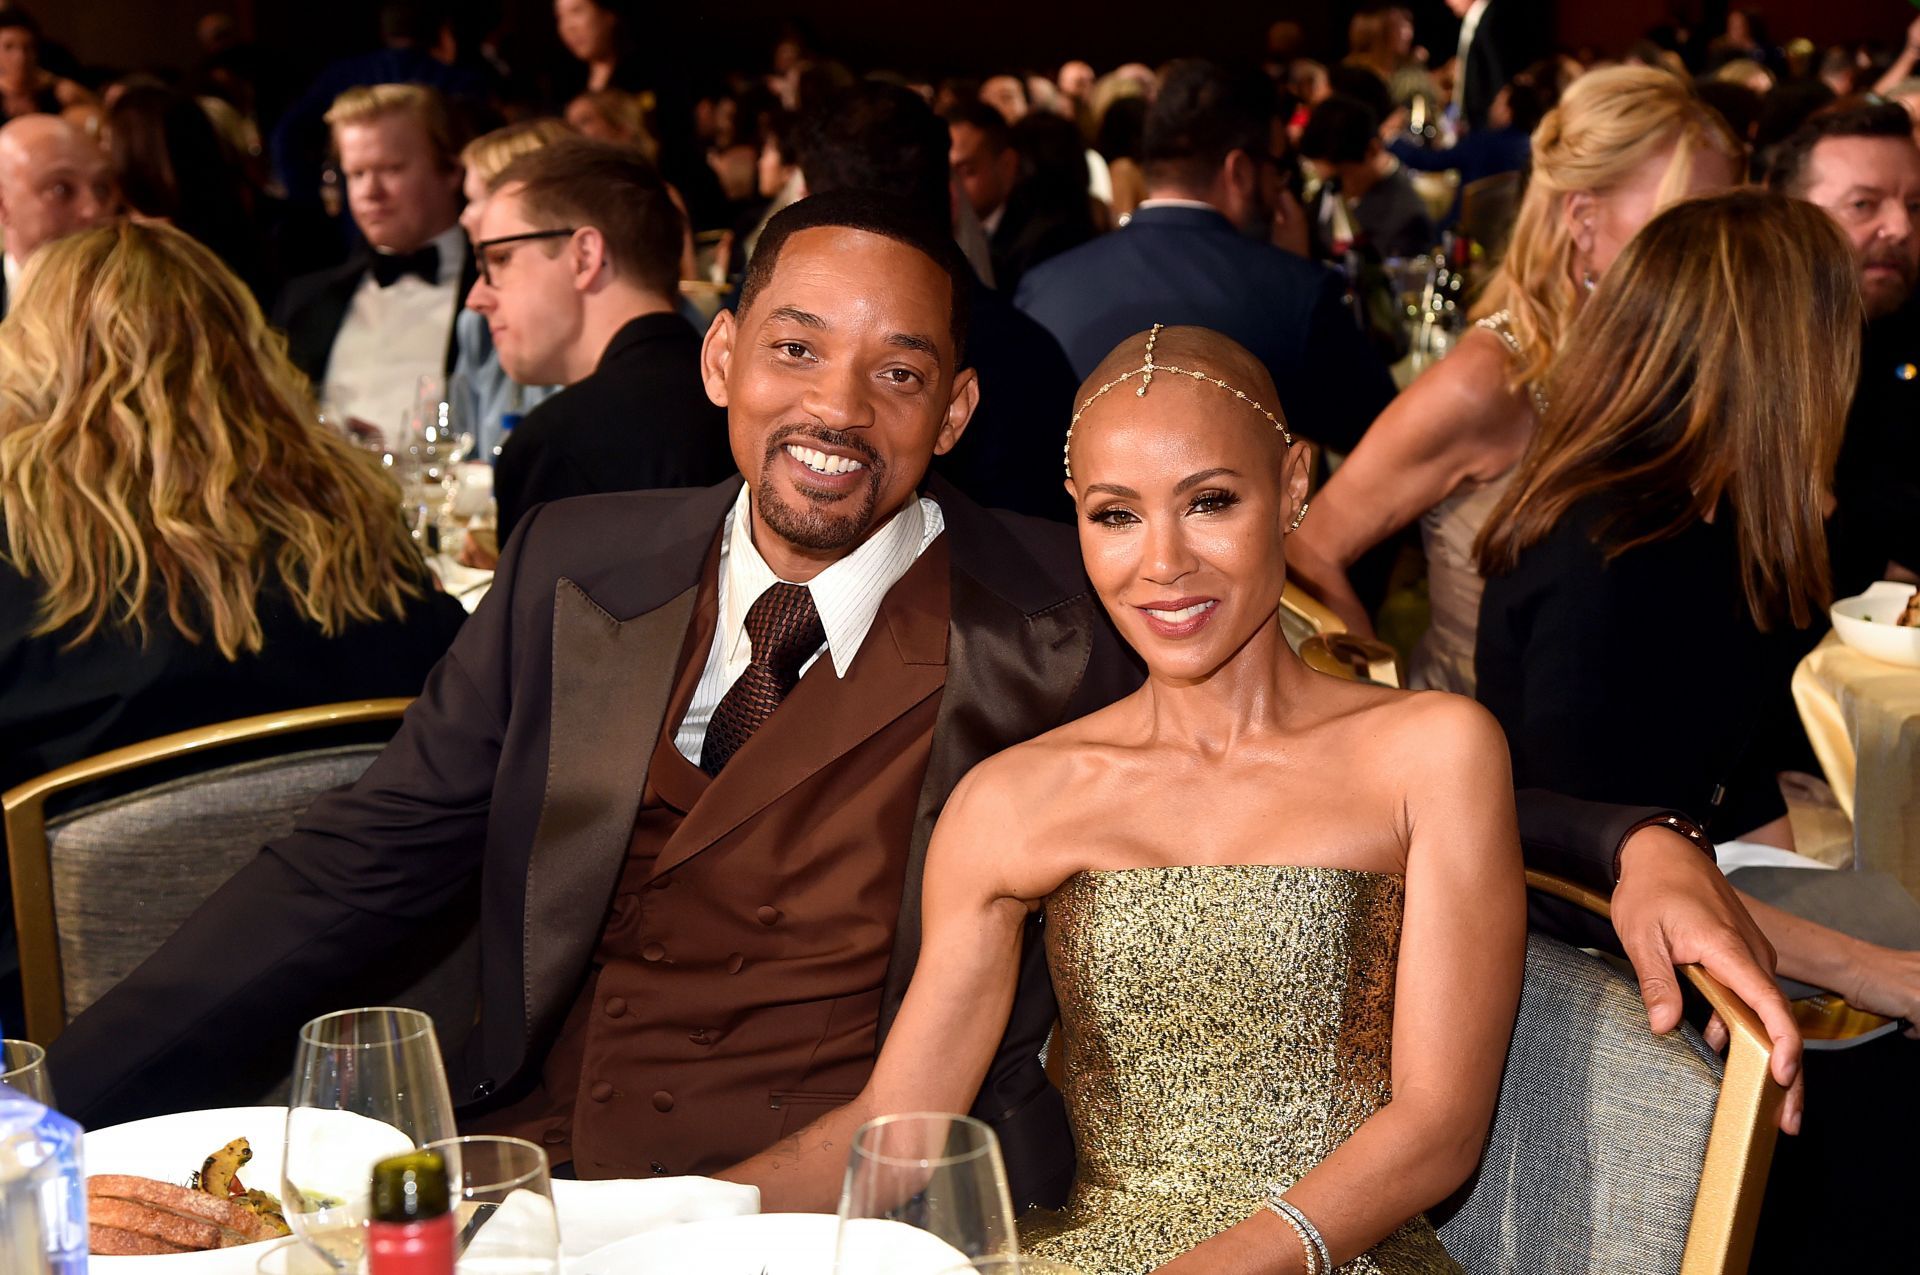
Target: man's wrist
[{"x": 1671, "y": 822}]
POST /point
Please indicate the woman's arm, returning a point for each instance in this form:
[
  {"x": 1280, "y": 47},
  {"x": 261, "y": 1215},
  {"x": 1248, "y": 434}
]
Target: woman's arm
[
  {"x": 955, "y": 1009},
  {"x": 1462, "y": 947},
  {"x": 1880, "y": 980},
  {"x": 1458, "y": 421}
]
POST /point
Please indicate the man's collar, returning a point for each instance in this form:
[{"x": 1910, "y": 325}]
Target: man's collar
[
  {"x": 845, "y": 594},
  {"x": 1175, "y": 202},
  {"x": 452, "y": 244}
]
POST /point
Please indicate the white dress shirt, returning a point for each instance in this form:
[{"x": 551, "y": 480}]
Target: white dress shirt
[
  {"x": 1469, "y": 26},
  {"x": 847, "y": 595},
  {"x": 393, "y": 336}
]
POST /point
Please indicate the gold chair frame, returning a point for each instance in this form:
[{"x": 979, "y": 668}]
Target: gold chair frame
[
  {"x": 31, "y": 859},
  {"x": 1746, "y": 1117},
  {"x": 1332, "y": 649}
]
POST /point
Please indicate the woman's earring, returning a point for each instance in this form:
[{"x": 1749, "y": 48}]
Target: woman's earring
[
  {"x": 1299, "y": 517},
  {"x": 1586, "y": 280}
]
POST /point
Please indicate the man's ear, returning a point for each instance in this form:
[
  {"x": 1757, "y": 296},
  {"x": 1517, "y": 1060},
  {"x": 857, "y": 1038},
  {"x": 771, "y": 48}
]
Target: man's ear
[
  {"x": 587, "y": 253},
  {"x": 1242, "y": 173},
  {"x": 960, "y": 409},
  {"x": 716, "y": 356}
]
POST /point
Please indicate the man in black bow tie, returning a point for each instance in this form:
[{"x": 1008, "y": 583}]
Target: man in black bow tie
[{"x": 367, "y": 331}]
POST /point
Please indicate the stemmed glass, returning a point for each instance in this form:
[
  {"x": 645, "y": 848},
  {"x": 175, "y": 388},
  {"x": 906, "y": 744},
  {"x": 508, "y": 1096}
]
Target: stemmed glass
[
  {"x": 367, "y": 1084},
  {"x": 923, "y": 1191},
  {"x": 503, "y": 1206}
]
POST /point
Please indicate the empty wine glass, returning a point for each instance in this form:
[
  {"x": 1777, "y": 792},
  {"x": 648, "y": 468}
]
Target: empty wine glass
[
  {"x": 923, "y": 1191},
  {"x": 367, "y": 1084},
  {"x": 503, "y": 1206}
]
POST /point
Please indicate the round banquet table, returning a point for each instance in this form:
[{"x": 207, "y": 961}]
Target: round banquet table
[{"x": 1863, "y": 718}]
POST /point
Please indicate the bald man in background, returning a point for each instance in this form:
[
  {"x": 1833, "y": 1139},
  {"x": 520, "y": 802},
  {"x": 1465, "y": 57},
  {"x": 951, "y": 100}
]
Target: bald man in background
[{"x": 53, "y": 182}]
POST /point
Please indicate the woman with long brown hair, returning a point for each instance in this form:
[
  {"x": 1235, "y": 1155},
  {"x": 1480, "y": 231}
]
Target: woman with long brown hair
[
  {"x": 180, "y": 541},
  {"x": 1661, "y": 552},
  {"x": 1622, "y": 144}
]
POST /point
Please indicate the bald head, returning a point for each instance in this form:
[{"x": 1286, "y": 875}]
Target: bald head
[
  {"x": 1217, "y": 358},
  {"x": 53, "y": 182}
]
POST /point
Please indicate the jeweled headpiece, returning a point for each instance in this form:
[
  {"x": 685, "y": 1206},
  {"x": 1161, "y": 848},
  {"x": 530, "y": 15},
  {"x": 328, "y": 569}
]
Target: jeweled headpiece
[{"x": 1145, "y": 372}]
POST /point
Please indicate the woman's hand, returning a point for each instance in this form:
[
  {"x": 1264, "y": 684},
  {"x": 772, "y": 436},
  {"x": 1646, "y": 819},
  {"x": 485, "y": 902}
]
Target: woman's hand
[
  {"x": 1886, "y": 981},
  {"x": 1261, "y": 1245}
]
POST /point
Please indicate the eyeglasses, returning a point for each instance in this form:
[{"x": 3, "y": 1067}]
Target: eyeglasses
[{"x": 483, "y": 252}]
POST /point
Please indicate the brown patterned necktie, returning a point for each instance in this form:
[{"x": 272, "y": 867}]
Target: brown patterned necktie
[{"x": 785, "y": 629}]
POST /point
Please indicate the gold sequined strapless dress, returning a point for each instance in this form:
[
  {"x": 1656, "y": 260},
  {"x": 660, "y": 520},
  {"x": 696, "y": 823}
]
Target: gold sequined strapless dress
[{"x": 1224, "y": 1028}]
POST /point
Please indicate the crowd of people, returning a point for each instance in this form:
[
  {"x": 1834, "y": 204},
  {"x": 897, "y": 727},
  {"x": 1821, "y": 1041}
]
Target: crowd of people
[{"x": 985, "y": 419}]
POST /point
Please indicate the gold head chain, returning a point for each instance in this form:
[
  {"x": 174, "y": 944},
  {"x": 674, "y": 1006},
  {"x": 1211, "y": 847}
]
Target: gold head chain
[{"x": 1145, "y": 372}]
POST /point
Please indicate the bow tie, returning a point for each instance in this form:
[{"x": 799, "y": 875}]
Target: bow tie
[{"x": 391, "y": 267}]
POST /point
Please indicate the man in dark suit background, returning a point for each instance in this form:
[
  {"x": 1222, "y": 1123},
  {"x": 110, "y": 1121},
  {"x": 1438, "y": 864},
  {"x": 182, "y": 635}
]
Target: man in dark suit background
[
  {"x": 1496, "y": 43},
  {"x": 365, "y": 332},
  {"x": 53, "y": 182},
  {"x": 1196, "y": 252},
  {"x": 579, "y": 256},
  {"x": 699, "y": 902}
]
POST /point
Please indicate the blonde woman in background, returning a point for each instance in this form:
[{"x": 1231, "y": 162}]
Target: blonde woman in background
[
  {"x": 481, "y": 394},
  {"x": 1622, "y": 144},
  {"x": 181, "y": 542}
]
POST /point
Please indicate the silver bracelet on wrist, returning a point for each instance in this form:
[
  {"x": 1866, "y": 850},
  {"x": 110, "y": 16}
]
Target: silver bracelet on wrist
[{"x": 1319, "y": 1261}]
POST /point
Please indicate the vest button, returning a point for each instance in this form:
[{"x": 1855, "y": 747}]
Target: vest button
[
  {"x": 483, "y": 1089},
  {"x": 653, "y": 952},
  {"x": 659, "y": 883},
  {"x": 768, "y": 914},
  {"x": 616, "y": 1006},
  {"x": 554, "y": 1137},
  {"x": 602, "y": 1091},
  {"x": 700, "y": 1036},
  {"x": 658, "y": 1168},
  {"x": 735, "y": 962},
  {"x": 663, "y": 1101}
]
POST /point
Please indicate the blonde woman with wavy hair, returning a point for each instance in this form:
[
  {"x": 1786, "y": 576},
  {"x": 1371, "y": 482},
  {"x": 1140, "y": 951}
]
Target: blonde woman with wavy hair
[
  {"x": 1622, "y": 144},
  {"x": 180, "y": 541}
]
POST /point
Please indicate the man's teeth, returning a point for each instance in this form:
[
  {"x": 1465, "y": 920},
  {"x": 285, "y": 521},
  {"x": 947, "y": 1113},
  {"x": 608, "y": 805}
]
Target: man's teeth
[
  {"x": 1183, "y": 614},
  {"x": 821, "y": 463}
]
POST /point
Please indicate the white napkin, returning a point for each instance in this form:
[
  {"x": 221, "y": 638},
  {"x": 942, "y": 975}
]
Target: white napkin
[
  {"x": 595, "y": 1214},
  {"x": 1732, "y": 855}
]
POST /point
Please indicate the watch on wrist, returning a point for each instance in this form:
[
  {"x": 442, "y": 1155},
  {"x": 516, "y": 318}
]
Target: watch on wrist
[{"x": 1672, "y": 822}]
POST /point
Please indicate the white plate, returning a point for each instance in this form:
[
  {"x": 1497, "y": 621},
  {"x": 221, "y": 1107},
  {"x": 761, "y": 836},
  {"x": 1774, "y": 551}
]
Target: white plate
[
  {"x": 777, "y": 1243},
  {"x": 1866, "y": 623},
  {"x": 172, "y": 1149}
]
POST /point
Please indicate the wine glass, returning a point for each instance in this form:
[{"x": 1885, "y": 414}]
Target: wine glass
[
  {"x": 923, "y": 1191},
  {"x": 23, "y": 1069},
  {"x": 367, "y": 1084},
  {"x": 503, "y": 1206}
]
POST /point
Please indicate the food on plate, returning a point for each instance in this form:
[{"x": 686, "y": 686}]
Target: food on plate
[
  {"x": 1910, "y": 618},
  {"x": 130, "y": 1216}
]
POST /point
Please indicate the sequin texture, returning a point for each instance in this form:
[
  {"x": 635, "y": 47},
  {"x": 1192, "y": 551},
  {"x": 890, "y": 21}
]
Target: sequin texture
[{"x": 1224, "y": 1028}]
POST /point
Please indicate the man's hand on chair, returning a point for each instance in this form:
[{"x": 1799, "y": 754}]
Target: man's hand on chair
[{"x": 1672, "y": 907}]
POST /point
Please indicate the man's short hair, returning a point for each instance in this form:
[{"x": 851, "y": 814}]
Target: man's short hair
[
  {"x": 1203, "y": 113},
  {"x": 1340, "y": 131},
  {"x": 613, "y": 188},
  {"x": 991, "y": 123},
  {"x": 881, "y": 137},
  {"x": 365, "y": 103},
  {"x": 877, "y": 213},
  {"x": 1850, "y": 117}
]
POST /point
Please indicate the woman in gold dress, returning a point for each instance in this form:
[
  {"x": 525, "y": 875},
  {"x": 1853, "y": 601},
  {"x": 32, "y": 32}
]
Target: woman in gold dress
[{"x": 1285, "y": 913}]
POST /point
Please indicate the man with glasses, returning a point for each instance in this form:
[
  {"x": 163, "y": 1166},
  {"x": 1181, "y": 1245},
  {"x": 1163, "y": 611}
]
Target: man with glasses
[
  {"x": 579, "y": 251},
  {"x": 1859, "y": 163},
  {"x": 1199, "y": 250}
]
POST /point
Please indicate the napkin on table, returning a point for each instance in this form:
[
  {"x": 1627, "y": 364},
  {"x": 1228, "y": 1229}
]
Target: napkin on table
[{"x": 595, "y": 1214}]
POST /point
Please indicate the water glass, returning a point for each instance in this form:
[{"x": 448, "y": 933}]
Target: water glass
[
  {"x": 367, "y": 1084},
  {"x": 918, "y": 1184},
  {"x": 503, "y": 1206},
  {"x": 23, "y": 1068}
]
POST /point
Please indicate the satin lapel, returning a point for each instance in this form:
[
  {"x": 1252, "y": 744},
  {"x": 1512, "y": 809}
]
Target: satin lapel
[
  {"x": 611, "y": 683},
  {"x": 1010, "y": 677},
  {"x": 901, "y": 662}
]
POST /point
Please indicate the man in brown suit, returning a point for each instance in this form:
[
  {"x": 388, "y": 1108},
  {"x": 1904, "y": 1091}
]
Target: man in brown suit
[{"x": 692, "y": 746}]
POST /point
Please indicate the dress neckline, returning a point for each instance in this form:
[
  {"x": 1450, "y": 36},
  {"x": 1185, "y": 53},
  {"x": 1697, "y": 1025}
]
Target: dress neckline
[{"x": 1233, "y": 867}]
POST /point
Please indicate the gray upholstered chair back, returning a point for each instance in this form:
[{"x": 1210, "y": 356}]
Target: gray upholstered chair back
[
  {"x": 1599, "y": 1136},
  {"x": 127, "y": 871}
]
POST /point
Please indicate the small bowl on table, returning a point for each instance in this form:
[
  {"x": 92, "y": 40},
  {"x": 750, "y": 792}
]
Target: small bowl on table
[{"x": 1868, "y": 623}]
